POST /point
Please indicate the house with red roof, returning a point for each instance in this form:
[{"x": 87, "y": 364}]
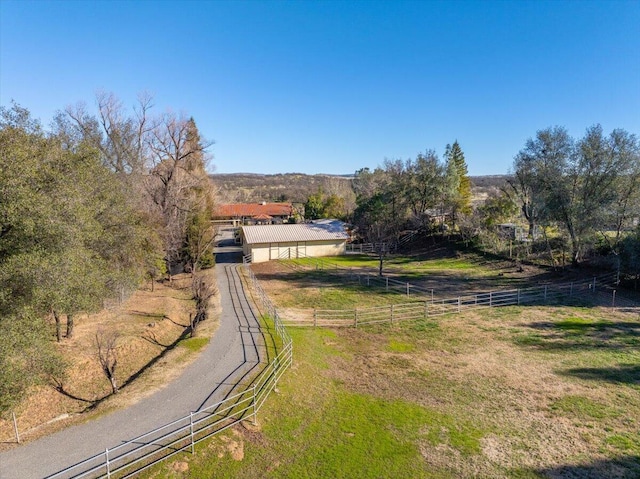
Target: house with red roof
[{"x": 253, "y": 213}]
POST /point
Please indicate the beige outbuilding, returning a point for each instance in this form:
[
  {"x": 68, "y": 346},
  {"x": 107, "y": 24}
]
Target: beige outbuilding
[{"x": 262, "y": 243}]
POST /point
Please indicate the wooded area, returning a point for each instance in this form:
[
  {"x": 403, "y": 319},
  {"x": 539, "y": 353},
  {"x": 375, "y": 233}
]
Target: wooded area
[{"x": 89, "y": 210}]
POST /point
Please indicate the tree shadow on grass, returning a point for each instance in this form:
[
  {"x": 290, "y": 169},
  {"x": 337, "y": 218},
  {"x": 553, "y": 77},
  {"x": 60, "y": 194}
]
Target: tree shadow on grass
[
  {"x": 579, "y": 334},
  {"x": 92, "y": 404},
  {"x": 621, "y": 374},
  {"x": 158, "y": 317},
  {"x": 624, "y": 467}
]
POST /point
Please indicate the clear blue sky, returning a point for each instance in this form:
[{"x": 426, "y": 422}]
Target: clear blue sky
[{"x": 334, "y": 86}]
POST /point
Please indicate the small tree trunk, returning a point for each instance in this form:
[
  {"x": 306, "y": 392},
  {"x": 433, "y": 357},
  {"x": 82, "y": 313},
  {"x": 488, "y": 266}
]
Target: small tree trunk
[
  {"x": 114, "y": 384},
  {"x": 56, "y": 316},
  {"x": 549, "y": 250},
  {"x": 106, "y": 352},
  {"x": 69, "y": 326},
  {"x": 575, "y": 255}
]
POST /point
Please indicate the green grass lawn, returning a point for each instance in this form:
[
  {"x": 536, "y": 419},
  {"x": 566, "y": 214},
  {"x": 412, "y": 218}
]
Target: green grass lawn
[
  {"x": 531, "y": 392},
  {"x": 404, "y": 264},
  {"x": 320, "y": 284}
]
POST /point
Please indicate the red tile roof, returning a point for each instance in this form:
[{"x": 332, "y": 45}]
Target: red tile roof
[{"x": 251, "y": 210}]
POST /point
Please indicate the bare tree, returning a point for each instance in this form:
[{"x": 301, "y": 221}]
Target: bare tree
[
  {"x": 106, "y": 352},
  {"x": 203, "y": 292},
  {"x": 178, "y": 184},
  {"x": 121, "y": 138}
]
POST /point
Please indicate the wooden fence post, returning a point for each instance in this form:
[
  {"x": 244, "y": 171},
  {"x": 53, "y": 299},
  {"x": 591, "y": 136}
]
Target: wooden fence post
[
  {"x": 355, "y": 317},
  {"x": 407, "y": 289},
  {"x": 387, "y": 281},
  {"x": 518, "y": 296},
  {"x": 459, "y": 305},
  {"x": 613, "y": 303},
  {"x": 106, "y": 456},
  {"x": 392, "y": 313},
  {"x": 490, "y": 299},
  {"x": 315, "y": 318}
]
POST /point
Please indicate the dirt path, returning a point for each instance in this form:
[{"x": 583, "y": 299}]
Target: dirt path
[{"x": 234, "y": 351}]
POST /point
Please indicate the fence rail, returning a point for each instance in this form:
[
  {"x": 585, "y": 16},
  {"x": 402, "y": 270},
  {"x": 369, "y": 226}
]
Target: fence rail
[
  {"x": 436, "y": 307},
  {"x": 131, "y": 457}
]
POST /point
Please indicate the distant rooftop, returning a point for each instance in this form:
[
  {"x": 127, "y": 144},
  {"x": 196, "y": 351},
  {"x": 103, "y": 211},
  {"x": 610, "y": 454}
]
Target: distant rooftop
[{"x": 253, "y": 210}]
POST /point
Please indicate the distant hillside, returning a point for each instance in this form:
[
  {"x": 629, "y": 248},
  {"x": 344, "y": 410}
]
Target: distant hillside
[
  {"x": 292, "y": 187},
  {"x": 481, "y": 186},
  {"x": 296, "y": 187}
]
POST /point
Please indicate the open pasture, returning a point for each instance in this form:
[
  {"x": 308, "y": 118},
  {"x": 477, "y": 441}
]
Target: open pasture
[
  {"x": 342, "y": 282},
  {"x": 514, "y": 392},
  {"x": 521, "y": 392}
]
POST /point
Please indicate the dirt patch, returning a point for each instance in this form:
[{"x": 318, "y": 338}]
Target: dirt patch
[
  {"x": 229, "y": 444},
  {"x": 180, "y": 466},
  {"x": 150, "y": 325}
]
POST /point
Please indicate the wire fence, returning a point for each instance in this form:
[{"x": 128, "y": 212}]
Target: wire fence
[
  {"x": 549, "y": 293},
  {"x": 131, "y": 457}
]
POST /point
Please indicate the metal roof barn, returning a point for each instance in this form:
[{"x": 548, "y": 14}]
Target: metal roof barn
[{"x": 267, "y": 242}]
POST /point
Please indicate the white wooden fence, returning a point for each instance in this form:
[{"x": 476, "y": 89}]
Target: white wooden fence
[{"x": 548, "y": 293}]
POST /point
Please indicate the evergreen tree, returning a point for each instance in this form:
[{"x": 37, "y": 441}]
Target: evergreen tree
[{"x": 454, "y": 157}]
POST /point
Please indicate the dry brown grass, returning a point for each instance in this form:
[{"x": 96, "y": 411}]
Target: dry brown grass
[{"x": 150, "y": 324}]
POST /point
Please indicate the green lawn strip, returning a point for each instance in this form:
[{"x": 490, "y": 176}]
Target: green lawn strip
[
  {"x": 584, "y": 408},
  {"x": 626, "y": 442},
  {"x": 400, "y": 346},
  {"x": 194, "y": 344},
  {"x": 399, "y": 264},
  {"x": 587, "y": 347}
]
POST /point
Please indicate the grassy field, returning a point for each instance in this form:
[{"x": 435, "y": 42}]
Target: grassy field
[
  {"x": 321, "y": 286},
  {"x": 517, "y": 392}
]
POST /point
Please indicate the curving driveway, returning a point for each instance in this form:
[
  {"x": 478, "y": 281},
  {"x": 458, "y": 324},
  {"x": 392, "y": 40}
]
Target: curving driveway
[{"x": 235, "y": 350}]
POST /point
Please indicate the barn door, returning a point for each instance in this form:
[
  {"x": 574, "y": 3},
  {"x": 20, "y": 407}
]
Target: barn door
[
  {"x": 273, "y": 250},
  {"x": 302, "y": 249}
]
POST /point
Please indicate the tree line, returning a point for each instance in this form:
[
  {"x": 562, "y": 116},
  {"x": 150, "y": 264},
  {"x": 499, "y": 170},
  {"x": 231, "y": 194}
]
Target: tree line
[
  {"x": 89, "y": 209},
  {"x": 588, "y": 189},
  {"x": 418, "y": 194},
  {"x": 579, "y": 195}
]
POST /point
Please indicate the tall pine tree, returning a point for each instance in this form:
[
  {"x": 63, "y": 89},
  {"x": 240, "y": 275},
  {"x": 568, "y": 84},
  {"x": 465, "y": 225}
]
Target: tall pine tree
[{"x": 454, "y": 158}]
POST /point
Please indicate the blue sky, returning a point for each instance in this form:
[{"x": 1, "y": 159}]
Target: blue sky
[{"x": 334, "y": 86}]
